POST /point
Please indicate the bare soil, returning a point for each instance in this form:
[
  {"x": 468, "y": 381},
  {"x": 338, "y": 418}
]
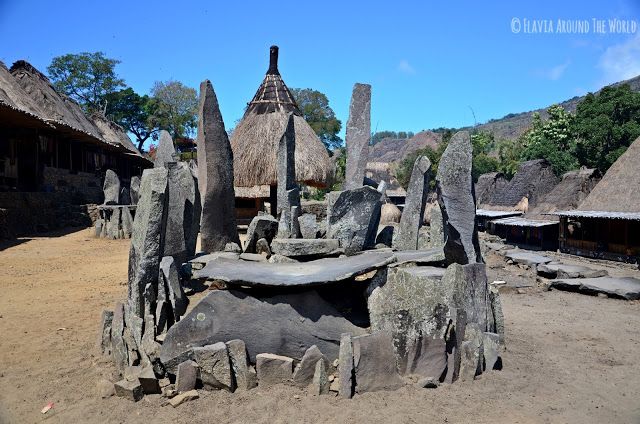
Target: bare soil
[{"x": 570, "y": 358}]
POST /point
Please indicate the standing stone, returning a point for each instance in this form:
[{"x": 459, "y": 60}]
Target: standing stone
[
  {"x": 148, "y": 381},
  {"x": 427, "y": 357},
  {"x": 118, "y": 347},
  {"x": 454, "y": 185},
  {"x": 295, "y": 224},
  {"x": 105, "y": 334},
  {"x": 134, "y": 189},
  {"x": 345, "y": 367},
  {"x": 288, "y": 194},
  {"x": 436, "y": 231},
  {"x": 374, "y": 363},
  {"x": 358, "y": 135},
  {"x": 215, "y": 366},
  {"x": 412, "y": 215},
  {"x": 305, "y": 370},
  {"x": 113, "y": 224},
  {"x": 175, "y": 294},
  {"x": 100, "y": 224},
  {"x": 353, "y": 217},
  {"x": 273, "y": 369},
  {"x": 186, "y": 376},
  {"x": 127, "y": 222},
  {"x": 111, "y": 188},
  {"x": 496, "y": 310},
  {"x": 244, "y": 378},
  {"x": 320, "y": 383},
  {"x": 471, "y": 353},
  {"x": 183, "y": 215},
  {"x": 125, "y": 197},
  {"x": 147, "y": 237},
  {"x": 308, "y": 225},
  {"x": 261, "y": 227},
  {"x": 215, "y": 175},
  {"x": 166, "y": 151}
]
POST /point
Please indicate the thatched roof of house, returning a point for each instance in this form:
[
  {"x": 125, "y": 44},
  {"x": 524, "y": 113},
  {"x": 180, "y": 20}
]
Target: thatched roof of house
[
  {"x": 13, "y": 97},
  {"x": 487, "y": 185},
  {"x": 618, "y": 189},
  {"x": 383, "y": 171},
  {"x": 568, "y": 194},
  {"x": 114, "y": 133},
  {"x": 534, "y": 179},
  {"x": 255, "y": 140}
]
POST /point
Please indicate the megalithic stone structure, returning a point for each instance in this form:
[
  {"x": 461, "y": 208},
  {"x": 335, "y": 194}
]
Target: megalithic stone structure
[
  {"x": 166, "y": 151},
  {"x": 215, "y": 175},
  {"x": 147, "y": 239},
  {"x": 288, "y": 193},
  {"x": 413, "y": 212},
  {"x": 358, "y": 135},
  {"x": 111, "y": 188},
  {"x": 183, "y": 217},
  {"x": 454, "y": 185}
]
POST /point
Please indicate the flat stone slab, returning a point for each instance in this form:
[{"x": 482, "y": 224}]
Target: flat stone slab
[
  {"x": 624, "y": 287},
  {"x": 303, "y": 247},
  {"x": 419, "y": 257},
  {"x": 312, "y": 273},
  {"x": 527, "y": 258},
  {"x": 205, "y": 259},
  {"x": 559, "y": 270}
]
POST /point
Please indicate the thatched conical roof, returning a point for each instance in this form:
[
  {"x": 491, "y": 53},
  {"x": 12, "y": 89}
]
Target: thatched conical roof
[
  {"x": 487, "y": 185},
  {"x": 255, "y": 140},
  {"x": 618, "y": 189},
  {"x": 534, "y": 179}
]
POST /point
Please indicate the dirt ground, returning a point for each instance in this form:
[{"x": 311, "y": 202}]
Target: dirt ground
[{"x": 570, "y": 358}]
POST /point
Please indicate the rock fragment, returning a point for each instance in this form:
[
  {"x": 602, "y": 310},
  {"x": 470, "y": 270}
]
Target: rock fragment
[
  {"x": 131, "y": 390},
  {"x": 273, "y": 369},
  {"x": 215, "y": 366},
  {"x": 303, "y": 374},
  {"x": 186, "y": 376}
]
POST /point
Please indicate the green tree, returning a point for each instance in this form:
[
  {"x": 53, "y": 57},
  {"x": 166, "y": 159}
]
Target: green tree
[
  {"x": 483, "y": 143},
  {"x": 552, "y": 140},
  {"x": 315, "y": 108},
  {"x": 509, "y": 154},
  {"x": 133, "y": 112},
  {"x": 175, "y": 108},
  {"x": 606, "y": 124},
  {"x": 85, "y": 77}
]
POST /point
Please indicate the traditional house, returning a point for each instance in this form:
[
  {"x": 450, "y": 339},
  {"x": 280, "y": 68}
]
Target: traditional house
[
  {"x": 255, "y": 144},
  {"x": 50, "y": 151},
  {"x": 534, "y": 179},
  {"x": 607, "y": 223},
  {"x": 487, "y": 185}
]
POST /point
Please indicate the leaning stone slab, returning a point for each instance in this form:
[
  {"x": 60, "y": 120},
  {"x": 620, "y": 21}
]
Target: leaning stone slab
[
  {"x": 562, "y": 271},
  {"x": 215, "y": 175},
  {"x": 111, "y": 188},
  {"x": 215, "y": 366},
  {"x": 261, "y": 227},
  {"x": 353, "y": 217},
  {"x": 303, "y": 247},
  {"x": 303, "y": 374},
  {"x": 471, "y": 353},
  {"x": 273, "y": 369},
  {"x": 201, "y": 261},
  {"x": 310, "y": 273},
  {"x": 357, "y": 135},
  {"x": 623, "y": 287},
  {"x": 345, "y": 367},
  {"x": 320, "y": 381},
  {"x": 119, "y": 349},
  {"x": 186, "y": 376},
  {"x": 436, "y": 230},
  {"x": 434, "y": 256},
  {"x": 166, "y": 151},
  {"x": 374, "y": 363},
  {"x": 131, "y": 390},
  {"x": 454, "y": 185},
  {"x": 183, "y": 213},
  {"x": 527, "y": 258},
  {"x": 244, "y": 378},
  {"x": 412, "y": 217},
  {"x": 426, "y": 357},
  {"x": 171, "y": 280},
  {"x": 286, "y": 324}
]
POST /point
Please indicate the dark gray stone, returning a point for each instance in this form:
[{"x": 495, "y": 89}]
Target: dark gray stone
[
  {"x": 310, "y": 273},
  {"x": 531, "y": 259},
  {"x": 280, "y": 259},
  {"x": 436, "y": 229},
  {"x": 245, "y": 380},
  {"x": 434, "y": 256},
  {"x": 134, "y": 189},
  {"x": 113, "y": 224},
  {"x": 562, "y": 271},
  {"x": 183, "y": 213},
  {"x": 374, "y": 363},
  {"x": 127, "y": 222},
  {"x": 186, "y": 376},
  {"x": 454, "y": 185},
  {"x": 358, "y": 133},
  {"x": 111, "y": 188},
  {"x": 428, "y": 383},
  {"x": 105, "y": 333},
  {"x": 345, "y": 367},
  {"x": 253, "y": 257},
  {"x": 286, "y": 324},
  {"x": 385, "y": 235},
  {"x": 320, "y": 382},
  {"x": 413, "y": 212},
  {"x": 308, "y": 225},
  {"x": 303, "y": 374},
  {"x": 303, "y": 247},
  {"x": 166, "y": 151},
  {"x": 622, "y": 287},
  {"x": 262, "y": 248},
  {"x": 148, "y": 381},
  {"x": 273, "y": 369},
  {"x": 232, "y": 247},
  {"x": 131, "y": 390},
  {"x": 119, "y": 350},
  {"x": 427, "y": 357},
  {"x": 471, "y": 353},
  {"x": 215, "y": 366},
  {"x": 175, "y": 294},
  {"x": 295, "y": 224},
  {"x": 496, "y": 310},
  {"x": 353, "y": 217},
  {"x": 288, "y": 194},
  {"x": 125, "y": 197},
  {"x": 261, "y": 227},
  {"x": 215, "y": 175},
  {"x": 146, "y": 239},
  {"x": 99, "y": 227}
]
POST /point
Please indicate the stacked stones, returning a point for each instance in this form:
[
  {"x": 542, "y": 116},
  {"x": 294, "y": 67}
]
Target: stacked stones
[{"x": 118, "y": 210}]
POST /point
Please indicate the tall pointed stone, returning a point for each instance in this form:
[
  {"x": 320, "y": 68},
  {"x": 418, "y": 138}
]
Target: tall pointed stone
[
  {"x": 413, "y": 212},
  {"x": 454, "y": 186},
  {"x": 215, "y": 175},
  {"x": 288, "y": 193},
  {"x": 358, "y": 135},
  {"x": 183, "y": 216},
  {"x": 166, "y": 151}
]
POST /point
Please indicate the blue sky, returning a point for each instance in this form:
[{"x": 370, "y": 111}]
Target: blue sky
[{"x": 429, "y": 62}]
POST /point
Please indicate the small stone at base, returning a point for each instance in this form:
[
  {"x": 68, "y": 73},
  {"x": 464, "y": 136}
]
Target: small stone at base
[{"x": 131, "y": 390}]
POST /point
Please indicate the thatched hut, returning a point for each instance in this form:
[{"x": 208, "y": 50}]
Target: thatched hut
[
  {"x": 534, "y": 179},
  {"x": 488, "y": 184},
  {"x": 607, "y": 223},
  {"x": 255, "y": 140}
]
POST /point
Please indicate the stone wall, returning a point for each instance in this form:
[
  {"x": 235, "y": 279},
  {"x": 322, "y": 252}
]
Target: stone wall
[{"x": 85, "y": 185}]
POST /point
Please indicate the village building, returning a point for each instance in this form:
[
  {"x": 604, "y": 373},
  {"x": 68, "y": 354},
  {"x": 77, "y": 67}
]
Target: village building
[
  {"x": 606, "y": 225},
  {"x": 255, "y": 143}
]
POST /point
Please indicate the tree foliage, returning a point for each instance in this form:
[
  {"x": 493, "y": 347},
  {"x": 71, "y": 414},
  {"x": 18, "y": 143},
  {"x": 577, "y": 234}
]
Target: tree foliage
[
  {"x": 381, "y": 135},
  {"x": 87, "y": 78},
  {"x": 175, "y": 108},
  {"x": 606, "y": 124},
  {"x": 315, "y": 109},
  {"x": 133, "y": 112}
]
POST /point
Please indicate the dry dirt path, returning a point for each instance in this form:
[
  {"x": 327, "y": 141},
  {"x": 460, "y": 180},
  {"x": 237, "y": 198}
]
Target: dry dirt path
[{"x": 571, "y": 358}]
